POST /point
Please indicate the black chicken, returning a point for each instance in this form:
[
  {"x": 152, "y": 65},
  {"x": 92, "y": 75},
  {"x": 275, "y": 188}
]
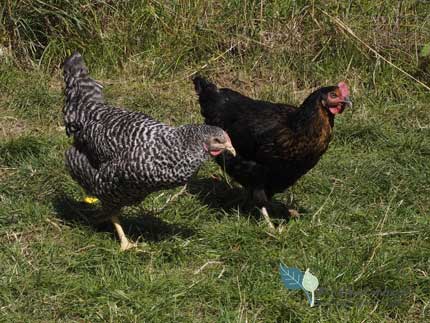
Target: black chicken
[
  {"x": 276, "y": 143},
  {"x": 121, "y": 156}
]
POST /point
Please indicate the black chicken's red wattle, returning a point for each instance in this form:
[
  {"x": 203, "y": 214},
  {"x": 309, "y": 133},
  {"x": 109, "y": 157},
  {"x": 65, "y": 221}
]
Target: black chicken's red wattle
[{"x": 336, "y": 109}]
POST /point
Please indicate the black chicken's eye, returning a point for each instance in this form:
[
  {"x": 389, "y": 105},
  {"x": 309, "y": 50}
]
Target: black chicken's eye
[{"x": 333, "y": 95}]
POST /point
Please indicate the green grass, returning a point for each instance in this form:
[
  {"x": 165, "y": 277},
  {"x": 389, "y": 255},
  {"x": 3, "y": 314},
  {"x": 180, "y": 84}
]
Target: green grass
[{"x": 365, "y": 226}]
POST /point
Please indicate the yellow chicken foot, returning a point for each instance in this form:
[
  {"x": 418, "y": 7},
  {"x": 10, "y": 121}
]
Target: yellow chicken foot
[
  {"x": 90, "y": 200},
  {"x": 125, "y": 243}
]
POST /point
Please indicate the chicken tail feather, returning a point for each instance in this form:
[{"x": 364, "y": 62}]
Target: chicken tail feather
[
  {"x": 210, "y": 100},
  {"x": 80, "y": 91},
  {"x": 203, "y": 87}
]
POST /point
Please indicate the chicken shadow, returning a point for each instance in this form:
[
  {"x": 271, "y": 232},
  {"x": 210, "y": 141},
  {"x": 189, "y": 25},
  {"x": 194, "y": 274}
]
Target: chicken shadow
[
  {"x": 219, "y": 195},
  {"x": 137, "y": 226}
]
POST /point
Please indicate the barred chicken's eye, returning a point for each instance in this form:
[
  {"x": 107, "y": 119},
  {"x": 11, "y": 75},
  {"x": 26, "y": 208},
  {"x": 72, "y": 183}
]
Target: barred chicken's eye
[{"x": 217, "y": 140}]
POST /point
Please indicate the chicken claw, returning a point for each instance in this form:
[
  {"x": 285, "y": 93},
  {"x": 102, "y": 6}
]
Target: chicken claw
[
  {"x": 125, "y": 244},
  {"x": 293, "y": 213},
  {"x": 280, "y": 228},
  {"x": 266, "y": 216}
]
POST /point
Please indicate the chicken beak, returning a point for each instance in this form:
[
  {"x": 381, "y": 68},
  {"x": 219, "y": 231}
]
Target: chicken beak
[
  {"x": 347, "y": 101},
  {"x": 230, "y": 149},
  {"x": 228, "y": 145}
]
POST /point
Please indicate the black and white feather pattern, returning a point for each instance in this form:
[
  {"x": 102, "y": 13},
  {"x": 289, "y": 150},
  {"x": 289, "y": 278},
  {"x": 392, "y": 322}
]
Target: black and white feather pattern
[{"x": 121, "y": 156}]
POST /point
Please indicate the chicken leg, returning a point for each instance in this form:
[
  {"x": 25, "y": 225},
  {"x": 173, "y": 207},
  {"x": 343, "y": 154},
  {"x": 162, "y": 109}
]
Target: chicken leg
[
  {"x": 260, "y": 198},
  {"x": 125, "y": 243},
  {"x": 266, "y": 217}
]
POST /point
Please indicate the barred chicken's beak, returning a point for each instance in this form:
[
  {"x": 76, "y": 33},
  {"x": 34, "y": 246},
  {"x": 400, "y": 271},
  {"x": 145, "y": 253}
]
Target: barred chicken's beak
[
  {"x": 228, "y": 145},
  {"x": 230, "y": 149}
]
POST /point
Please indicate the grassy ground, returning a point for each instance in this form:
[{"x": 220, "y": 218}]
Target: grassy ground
[{"x": 365, "y": 228}]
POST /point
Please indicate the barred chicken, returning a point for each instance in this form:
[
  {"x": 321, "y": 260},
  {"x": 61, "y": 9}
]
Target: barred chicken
[
  {"x": 276, "y": 143},
  {"x": 121, "y": 156}
]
